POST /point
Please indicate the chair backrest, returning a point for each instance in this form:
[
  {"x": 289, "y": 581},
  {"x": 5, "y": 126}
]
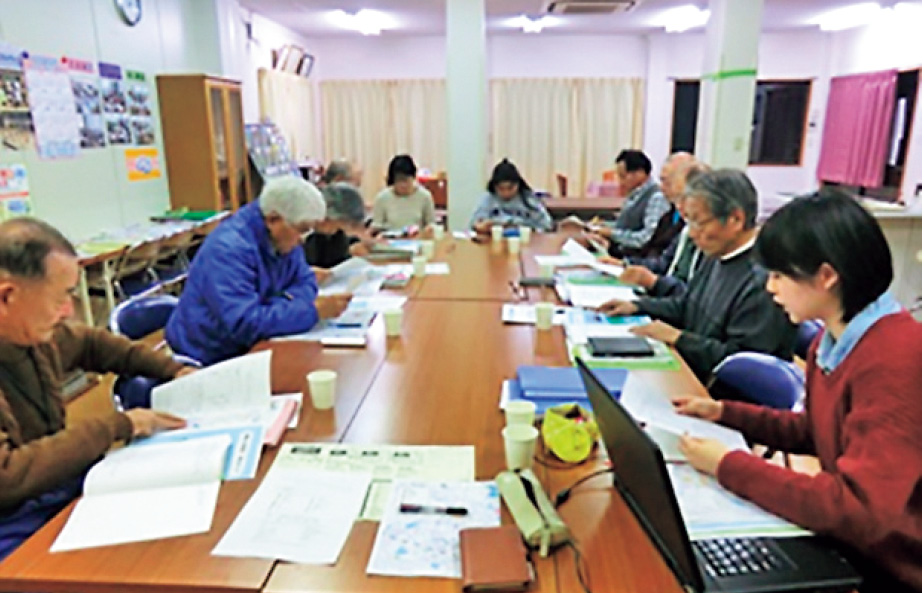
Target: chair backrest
[
  {"x": 136, "y": 318},
  {"x": 562, "y": 181},
  {"x": 137, "y": 258},
  {"x": 175, "y": 244},
  {"x": 761, "y": 379},
  {"x": 805, "y": 333},
  {"x": 133, "y": 392}
]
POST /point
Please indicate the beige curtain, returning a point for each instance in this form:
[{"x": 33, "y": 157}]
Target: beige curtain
[
  {"x": 289, "y": 101},
  {"x": 572, "y": 126},
  {"x": 370, "y": 121}
]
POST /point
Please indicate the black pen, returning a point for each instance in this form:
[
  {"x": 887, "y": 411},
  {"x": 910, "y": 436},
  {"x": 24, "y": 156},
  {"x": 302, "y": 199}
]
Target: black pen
[{"x": 433, "y": 510}]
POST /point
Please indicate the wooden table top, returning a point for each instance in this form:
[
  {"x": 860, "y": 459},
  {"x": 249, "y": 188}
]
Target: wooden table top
[{"x": 438, "y": 383}]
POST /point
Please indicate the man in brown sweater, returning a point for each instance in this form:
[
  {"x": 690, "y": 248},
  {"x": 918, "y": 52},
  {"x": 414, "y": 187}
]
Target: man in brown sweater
[{"x": 42, "y": 463}]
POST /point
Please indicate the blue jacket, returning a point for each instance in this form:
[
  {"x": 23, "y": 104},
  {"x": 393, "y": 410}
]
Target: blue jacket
[{"x": 240, "y": 291}]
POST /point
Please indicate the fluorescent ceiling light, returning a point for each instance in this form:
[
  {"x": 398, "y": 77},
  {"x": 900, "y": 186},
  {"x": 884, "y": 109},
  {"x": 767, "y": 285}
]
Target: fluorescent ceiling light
[
  {"x": 366, "y": 21},
  {"x": 533, "y": 25},
  {"x": 848, "y": 17},
  {"x": 682, "y": 18}
]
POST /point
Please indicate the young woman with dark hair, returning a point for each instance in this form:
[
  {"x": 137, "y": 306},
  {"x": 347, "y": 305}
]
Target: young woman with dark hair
[
  {"x": 404, "y": 203},
  {"x": 510, "y": 202},
  {"x": 829, "y": 260}
]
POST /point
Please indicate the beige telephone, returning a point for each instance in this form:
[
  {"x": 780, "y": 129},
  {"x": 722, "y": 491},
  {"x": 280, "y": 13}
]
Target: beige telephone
[{"x": 532, "y": 511}]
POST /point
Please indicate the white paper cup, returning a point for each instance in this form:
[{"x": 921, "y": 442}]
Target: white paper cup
[
  {"x": 420, "y": 265},
  {"x": 519, "y": 445},
  {"x": 439, "y": 231},
  {"x": 513, "y": 244},
  {"x": 520, "y": 412},
  {"x": 546, "y": 270},
  {"x": 393, "y": 322},
  {"x": 497, "y": 233},
  {"x": 322, "y": 386},
  {"x": 544, "y": 313},
  {"x": 525, "y": 233},
  {"x": 426, "y": 248}
]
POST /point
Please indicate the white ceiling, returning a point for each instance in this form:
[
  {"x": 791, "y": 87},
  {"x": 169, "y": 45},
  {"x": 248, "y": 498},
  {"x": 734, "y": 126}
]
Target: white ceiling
[{"x": 427, "y": 17}]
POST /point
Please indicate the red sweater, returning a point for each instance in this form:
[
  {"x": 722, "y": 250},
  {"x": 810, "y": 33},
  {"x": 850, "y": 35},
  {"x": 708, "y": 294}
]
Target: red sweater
[{"x": 863, "y": 422}]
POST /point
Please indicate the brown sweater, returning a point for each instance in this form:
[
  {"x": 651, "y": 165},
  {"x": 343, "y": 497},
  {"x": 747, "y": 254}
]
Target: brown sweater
[{"x": 37, "y": 453}]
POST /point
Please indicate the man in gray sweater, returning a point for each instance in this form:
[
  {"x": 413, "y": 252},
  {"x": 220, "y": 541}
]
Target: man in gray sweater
[{"x": 726, "y": 308}]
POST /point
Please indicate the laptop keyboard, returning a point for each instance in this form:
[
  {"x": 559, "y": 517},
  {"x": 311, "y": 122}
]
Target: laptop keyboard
[{"x": 737, "y": 557}]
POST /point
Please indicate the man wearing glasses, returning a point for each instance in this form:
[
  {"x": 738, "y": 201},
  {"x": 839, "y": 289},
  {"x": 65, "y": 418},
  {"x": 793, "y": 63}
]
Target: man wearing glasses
[{"x": 249, "y": 281}]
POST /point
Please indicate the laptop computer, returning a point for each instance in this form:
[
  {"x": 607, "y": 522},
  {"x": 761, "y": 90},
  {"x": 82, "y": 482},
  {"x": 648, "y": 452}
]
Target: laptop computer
[{"x": 736, "y": 565}]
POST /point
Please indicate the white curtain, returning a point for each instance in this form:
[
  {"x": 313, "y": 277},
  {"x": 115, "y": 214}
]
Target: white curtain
[
  {"x": 571, "y": 126},
  {"x": 370, "y": 121},
  {"x": 289, "y": 101}
]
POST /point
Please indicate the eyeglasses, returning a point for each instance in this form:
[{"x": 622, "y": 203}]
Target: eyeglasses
[{"x": 696, "y": 225}]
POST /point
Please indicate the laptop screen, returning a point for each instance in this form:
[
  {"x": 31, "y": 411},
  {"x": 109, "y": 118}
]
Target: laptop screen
[{"x": 641, "y": 478}]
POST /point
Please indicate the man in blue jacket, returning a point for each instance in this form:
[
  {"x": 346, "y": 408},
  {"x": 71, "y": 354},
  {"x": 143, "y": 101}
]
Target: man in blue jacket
[{"x": 249, "y": 281}]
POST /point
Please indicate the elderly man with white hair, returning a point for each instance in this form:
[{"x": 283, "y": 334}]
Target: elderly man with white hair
[{"x": 249, "y": 281}]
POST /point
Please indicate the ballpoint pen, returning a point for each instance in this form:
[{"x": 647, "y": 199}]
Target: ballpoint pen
[{"x": 433, "y": 510}]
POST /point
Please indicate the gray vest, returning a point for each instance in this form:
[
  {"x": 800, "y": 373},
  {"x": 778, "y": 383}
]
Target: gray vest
[{"x": 633, "y": 217}]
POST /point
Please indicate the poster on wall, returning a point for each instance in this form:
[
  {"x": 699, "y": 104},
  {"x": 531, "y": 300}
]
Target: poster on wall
[
  {"x": 115, "y": 107},
  {"x": 138, "y": 94},
  {"x": 54, "y": 114},
  {"x": 142, "y": 163},
  {"x": 16, "y": 130},
  {"x": 87, "y": 101},
  {"x": 14, "y": 192}
]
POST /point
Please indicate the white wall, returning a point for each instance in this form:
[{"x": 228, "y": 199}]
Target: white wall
[
  {"x": 566, "y": 56},
  {"x": 90, "y": 193}
]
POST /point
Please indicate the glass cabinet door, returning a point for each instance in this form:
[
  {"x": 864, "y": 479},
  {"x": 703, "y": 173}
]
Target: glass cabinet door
[
  {"x": 219, "y": 144},
  {"x": 239, "y": 179}
]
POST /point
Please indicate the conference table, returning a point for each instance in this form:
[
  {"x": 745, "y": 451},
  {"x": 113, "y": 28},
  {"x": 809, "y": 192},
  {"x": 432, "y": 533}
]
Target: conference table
[{"x": 436, "y": 384}]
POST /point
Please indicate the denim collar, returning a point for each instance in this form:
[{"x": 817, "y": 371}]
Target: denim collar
[{"x": 832, "y": 352}]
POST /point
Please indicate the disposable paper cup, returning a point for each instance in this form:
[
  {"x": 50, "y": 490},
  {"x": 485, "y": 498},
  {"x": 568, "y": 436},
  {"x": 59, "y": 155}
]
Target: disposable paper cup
[
  {"x": 519, "y": 445},
  {"x": 525, "y": 233},
  {"x": 520, "y": 412},
  {"x": 497, "y": 232},
  {"x": 426, "y": 249},
  {"x": 513, "y": 244},
  {"x": 546, "y": 270},
  {"x": 393, "y": 322},
  {"x": 420, "y": 265},
  {"x": 438, "y": 232},
  {"x": 322, "y": 386},
  {"x": 544, "y": 312}
]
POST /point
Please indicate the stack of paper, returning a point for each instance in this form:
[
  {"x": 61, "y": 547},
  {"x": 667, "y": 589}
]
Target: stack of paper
[
  {"x": 354, "y": 276},
  {"x": 142, "y": 493},
  {"x": 419, "y": 535}
]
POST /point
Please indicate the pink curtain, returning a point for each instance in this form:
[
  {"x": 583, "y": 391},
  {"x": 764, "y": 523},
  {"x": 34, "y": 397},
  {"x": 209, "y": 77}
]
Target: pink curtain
[{"x": 855, "y": 143}]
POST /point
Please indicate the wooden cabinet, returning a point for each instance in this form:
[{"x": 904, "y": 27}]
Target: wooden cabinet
[{"x": 203, "y": 125}]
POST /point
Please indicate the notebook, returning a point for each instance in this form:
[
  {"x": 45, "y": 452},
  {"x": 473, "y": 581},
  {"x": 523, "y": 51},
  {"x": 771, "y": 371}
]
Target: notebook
[
  {"x": 628, "y": 346},
  {"x": 494, "y": 559}
]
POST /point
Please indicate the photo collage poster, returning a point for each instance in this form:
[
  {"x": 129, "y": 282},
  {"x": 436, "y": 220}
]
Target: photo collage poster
[
  {"x": 54, "y": 115},
  {"x": 88, "y": 102},
  {"x": 138, "y": 94},
  {"x": 16, "y": 128},
  {"x": 115, "y": 105},
  {"x": 14, "y": 192}
]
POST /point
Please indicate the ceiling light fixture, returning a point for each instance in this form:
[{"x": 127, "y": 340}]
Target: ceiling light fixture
[
  {"x": 682, "y": 18},
  {"x": 533, "y": 25},
  {"x": 366, "y": 21},
  {"x": 848, "y": 17}
]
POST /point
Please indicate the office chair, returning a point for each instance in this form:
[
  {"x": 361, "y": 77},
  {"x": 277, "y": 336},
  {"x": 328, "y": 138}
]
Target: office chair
[
  {"x": 761, "y": 379},
  {"x": 805, "y": 334}
]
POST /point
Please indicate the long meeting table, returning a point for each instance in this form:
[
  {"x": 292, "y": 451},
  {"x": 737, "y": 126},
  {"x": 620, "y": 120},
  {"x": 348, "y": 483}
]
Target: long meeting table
[{"x": 437, "y": 384}]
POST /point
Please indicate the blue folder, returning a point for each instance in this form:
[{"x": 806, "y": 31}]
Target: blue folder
[{"x": 557, "y": 383}]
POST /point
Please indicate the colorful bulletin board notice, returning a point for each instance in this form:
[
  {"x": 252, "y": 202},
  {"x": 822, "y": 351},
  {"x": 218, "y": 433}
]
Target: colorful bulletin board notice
[
  {"x": 54, "y": 114},
  {"x": 138, "y": 95},
  {"x": 142, "y": 163},
  {"x": 16, "y": 129},
  {"x": 115, "y": 105},
  {"x": 14, "y": 192},
  {"x": 88, "y": 102}
]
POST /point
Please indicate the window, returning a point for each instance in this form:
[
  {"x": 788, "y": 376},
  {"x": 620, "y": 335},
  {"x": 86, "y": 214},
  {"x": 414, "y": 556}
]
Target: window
[{"x": 778, "y": 125}]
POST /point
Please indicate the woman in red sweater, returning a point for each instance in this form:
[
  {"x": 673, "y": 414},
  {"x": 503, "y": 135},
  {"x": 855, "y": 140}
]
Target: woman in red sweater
[{"x": 829, "y": 260}]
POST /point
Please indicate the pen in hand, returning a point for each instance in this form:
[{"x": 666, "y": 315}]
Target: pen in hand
[{"x": 433, "y": 510}]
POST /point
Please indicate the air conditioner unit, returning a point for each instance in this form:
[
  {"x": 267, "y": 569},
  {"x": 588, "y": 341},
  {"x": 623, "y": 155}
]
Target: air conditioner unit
[{"x": 590, "y": 6}]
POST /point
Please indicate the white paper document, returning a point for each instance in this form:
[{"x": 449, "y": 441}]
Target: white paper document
[
  {"x": 521, "y": 313},
  {"x": 235, "y": 384},
  {"x": 386, "y": 463},
  {"x": 147, "y": 492},
  {"x": 300, "y": 516},
  {"x": 354, "y": 276},
  {"x": 426, "y": 542},
  {"x": 710, "y": 511},
  {"x": 559, "y": 261},
  {"x": 591, "y": 296},
  {"x": 577, "y": 252},
  {"x": 432, "y": 269}
]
